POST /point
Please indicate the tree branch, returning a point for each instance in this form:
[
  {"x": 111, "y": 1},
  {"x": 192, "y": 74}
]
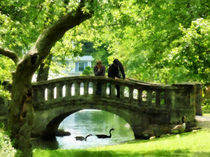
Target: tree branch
[
  {"x": 9, "y": 54},
  {"x": 48, "y": 38}
]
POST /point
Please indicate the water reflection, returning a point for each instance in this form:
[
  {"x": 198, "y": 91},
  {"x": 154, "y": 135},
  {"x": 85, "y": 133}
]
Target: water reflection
[{"x": 93, "y": 122}]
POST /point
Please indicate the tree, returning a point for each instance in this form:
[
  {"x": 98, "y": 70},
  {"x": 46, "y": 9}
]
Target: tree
[
  {"x": 21, "y": 107},
  {"x": 142, "y": 34},
  {"x": 192, "y": 52}
]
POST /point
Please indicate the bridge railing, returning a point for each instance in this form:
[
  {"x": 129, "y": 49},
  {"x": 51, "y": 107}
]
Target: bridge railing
[
  {"x": 137, "y": 93},
  {"x": 132, "y": 92}
]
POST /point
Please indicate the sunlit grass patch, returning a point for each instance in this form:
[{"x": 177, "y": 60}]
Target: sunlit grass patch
[{"x": 206, "y": 114}]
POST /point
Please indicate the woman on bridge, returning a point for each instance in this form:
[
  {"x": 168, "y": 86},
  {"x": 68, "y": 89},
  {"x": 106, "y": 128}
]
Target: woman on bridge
[{"x": 99, "y": 70}]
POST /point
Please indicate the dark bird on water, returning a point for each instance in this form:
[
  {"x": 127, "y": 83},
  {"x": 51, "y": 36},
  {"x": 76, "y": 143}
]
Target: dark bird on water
[
  {"x": 81, "y": 138},
  {"x": 106, "y": 136}
]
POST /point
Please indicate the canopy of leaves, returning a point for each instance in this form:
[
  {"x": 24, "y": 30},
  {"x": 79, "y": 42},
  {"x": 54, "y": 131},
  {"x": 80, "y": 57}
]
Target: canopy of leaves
[{"x": 160, "y": 40}]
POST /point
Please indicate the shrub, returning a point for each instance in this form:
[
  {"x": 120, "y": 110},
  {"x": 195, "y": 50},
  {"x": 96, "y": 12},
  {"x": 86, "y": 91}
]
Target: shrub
[{"x": 6, "y": 149}]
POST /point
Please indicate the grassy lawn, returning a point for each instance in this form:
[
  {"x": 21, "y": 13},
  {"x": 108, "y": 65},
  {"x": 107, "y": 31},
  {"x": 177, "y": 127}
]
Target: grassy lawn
[
  {"x": 206, "y": 114},
  {"x": 191, "y": 144}
]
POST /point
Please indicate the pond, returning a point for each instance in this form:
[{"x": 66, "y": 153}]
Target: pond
[{"x": 86, "y": 122}]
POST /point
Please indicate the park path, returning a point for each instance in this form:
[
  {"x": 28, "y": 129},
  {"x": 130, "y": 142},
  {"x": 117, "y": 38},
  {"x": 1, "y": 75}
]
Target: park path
[{"x": 203, "y": 121}]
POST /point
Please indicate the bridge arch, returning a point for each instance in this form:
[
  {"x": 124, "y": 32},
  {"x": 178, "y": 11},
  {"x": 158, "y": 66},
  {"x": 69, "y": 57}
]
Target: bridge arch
[
  {"x": 141, "y": 104},
  {"x": 48, "y": 120}
]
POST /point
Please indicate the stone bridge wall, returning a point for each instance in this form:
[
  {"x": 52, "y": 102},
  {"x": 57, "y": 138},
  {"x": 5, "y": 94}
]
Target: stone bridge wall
[{"x": 141, "y": 104}]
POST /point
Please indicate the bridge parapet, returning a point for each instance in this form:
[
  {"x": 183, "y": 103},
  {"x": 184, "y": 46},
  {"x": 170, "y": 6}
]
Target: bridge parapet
[
  {"x": 141, "y": 104},
  {"x": 133, "y": 92}
]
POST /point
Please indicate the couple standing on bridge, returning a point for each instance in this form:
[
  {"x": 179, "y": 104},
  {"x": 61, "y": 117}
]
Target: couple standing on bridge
[{"x": 115, "y": 70}]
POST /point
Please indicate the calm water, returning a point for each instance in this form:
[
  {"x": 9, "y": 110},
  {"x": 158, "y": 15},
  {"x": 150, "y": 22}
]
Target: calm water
[{"x": 87, "y": 122}]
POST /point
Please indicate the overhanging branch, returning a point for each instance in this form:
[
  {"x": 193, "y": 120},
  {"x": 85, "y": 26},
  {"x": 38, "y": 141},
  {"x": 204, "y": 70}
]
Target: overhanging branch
[
  {"x": 48, "y": 38},
  {"x": 9, "y": 54}
]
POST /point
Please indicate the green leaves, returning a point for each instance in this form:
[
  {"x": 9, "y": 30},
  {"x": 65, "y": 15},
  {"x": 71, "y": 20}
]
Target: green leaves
[
  {"x": 145, "y": 40},
  {"x": 154, "y": 39},
  {"x": 192, "y": 50}
]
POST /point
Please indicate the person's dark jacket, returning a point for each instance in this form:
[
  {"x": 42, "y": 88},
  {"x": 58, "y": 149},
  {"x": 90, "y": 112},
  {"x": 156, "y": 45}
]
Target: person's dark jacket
[
  {"x": 101, "y": 72},
  {"x": 115, "y": 70}
]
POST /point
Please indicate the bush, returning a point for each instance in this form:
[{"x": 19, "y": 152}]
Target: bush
[
  {"x": 6, "y": 149},
  {"x": 206, "y": 106},
  {"x": 88, "y": 71}
]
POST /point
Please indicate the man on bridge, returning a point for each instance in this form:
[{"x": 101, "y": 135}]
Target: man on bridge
[{"x": 116, "y": 70}]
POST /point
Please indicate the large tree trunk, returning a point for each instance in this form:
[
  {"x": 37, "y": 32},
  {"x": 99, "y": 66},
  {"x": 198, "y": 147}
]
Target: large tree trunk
[
  {"x": 21, "y": 108},
  {"x": 21, "y": 117}
]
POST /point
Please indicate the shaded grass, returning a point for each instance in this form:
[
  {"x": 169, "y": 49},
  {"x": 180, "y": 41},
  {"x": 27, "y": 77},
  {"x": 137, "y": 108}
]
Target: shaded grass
[{"x": 196, "y": 144}]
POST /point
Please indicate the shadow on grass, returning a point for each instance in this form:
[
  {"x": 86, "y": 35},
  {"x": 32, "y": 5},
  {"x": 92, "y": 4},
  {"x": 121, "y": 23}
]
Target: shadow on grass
[{"x": 85, "y": 153}]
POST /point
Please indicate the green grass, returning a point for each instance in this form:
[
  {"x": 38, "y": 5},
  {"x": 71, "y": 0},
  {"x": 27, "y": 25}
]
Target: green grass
[
  {"x": 206, "y": 114},
  {"x": 191, "y": 144}
]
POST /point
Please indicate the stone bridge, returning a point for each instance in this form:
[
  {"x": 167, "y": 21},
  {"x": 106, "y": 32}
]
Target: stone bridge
[{"x": 148, "y": 108}]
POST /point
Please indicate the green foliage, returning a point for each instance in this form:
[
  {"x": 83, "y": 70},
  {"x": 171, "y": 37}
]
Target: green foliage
[
  {"x": 6, "y": 68},
  {"x": 206, "y": 105},
  {"x": 142, "y": 34},
  {"x": 192, "y": 51},
  {"x": 22, "y": 20},
  {"x": 102, "y": 54},
  {"x": 88, "y": 71},
  {"x": 6, "y": 149},
  {"x": 4, "y": 93},
  {"x": 157, "y": 41},
  {"x": 98, "y": 53}
]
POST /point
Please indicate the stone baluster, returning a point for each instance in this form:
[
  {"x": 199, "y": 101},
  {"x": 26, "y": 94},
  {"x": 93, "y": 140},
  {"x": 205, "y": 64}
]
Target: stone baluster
[
  {"x": 68, "y": 89},
  {"x": 149, "y": 97},
  {"x": 103, "y": 92},
  {"x": 94, "y": 88},
  {"x": 130, "y": 93},
  {"x": 35, "y": 95},
  {"x": 173, "y": 98},
  {"x": 86, "y": 88},
  {"x": 140, "y": 97},
  {"x": 167, "y": 97},
  {"x": 112, "y": 90},
  {"x": 50, "y": 92},
  {"x": 157, "y": 103},
  {"x": 41, "y": 93},
  {"x": 197, "y": 97},
  {"x": 77, "y": 88},
  {"x": 59, "y": 90},
  {"x": 122, "y": 90}
]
